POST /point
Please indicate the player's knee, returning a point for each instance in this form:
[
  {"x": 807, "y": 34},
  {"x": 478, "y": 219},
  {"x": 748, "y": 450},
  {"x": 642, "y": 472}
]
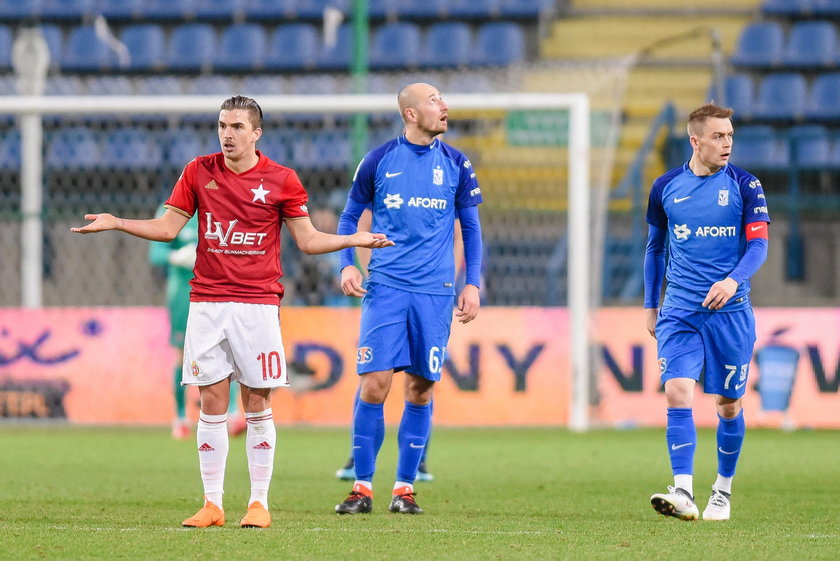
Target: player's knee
[{"x": 728, "y": 409}]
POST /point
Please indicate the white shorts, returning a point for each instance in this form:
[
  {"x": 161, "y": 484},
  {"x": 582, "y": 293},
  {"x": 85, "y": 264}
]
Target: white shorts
[{"x": 234, "y": 339}]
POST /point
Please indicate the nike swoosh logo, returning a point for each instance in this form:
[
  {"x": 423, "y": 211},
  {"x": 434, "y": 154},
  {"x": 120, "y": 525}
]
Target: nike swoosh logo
[
  {"x": 722, "y": 451},
  {"x": 739, "y": 386},
  {"x": 357, "y": 447},
  {"x": 755, "y": 228},
  {"x": 412, "y": 445},
  {"x": 387, "y": 174},
  {"x": 676, "y": 200},
  {"x": 678, "y": 446}
]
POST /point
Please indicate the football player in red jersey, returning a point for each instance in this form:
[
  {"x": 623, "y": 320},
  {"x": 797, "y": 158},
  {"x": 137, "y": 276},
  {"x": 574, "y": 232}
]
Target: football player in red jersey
[{"x": 242, "y": 199}]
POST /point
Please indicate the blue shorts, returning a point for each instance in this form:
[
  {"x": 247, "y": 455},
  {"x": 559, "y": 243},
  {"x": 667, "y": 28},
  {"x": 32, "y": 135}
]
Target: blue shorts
[
  {"x": 720, "y": 344},
  {"x": 404, "y": 331}
]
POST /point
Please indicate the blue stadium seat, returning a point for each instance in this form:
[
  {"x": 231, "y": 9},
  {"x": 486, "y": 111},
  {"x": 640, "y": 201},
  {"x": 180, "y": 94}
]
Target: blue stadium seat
[
  {"x": 825, "y": 8},
  {"x": 781, "y": 97},
  {"x": 241, "y": 48},
  {"x": 739, "y": 92},
  {"x": 263, "y": 85},
  {"x": 191, "y": 48},
  {"x": 285, "y": 10},
  {"x": 74, "y": 10},
  {"x": 73, "y": 148},
  {"x": 787, "y": 8},
  {"x": 54, "y": 37},
  {"x": 499, "y": 44},
  {"x": 760, "y": 45},
  {"x": 758, "y": 147},
  {"x": 146, "y": 45},
  {"x": 293, "y": 46},
  {"x": 337, "y": 56},
  {"x": 85, "y": 52},
  {"x": 109, "y": 85},
  {"x": 118, "y": 10},
  {"x": 395, "y": 45},
  {"x": 824, "y": 100},
  {"x": 322, "y": 150},
  {"x": 811, "y": 44},
  {"x": 159, "y": 85},
  {"x": 448, "y": 44},
  {"x": 10, "y": 150},
  {"x": 428, "y": 10},
  {"x": 524, "y": 9},
  {"x": 5, "y": 48},
  {"x": 132, "y": 149},
  {"x": 168, "y": 10},
  {"x": 812, "y": 144},
  {"x": 19, "y": 10},
  {"x": 276, "y": 144},
  {"x": 184, "y": 144},
  {"x": 210, "y": 84},
  {"x": 60, "y": 84},
  {"x": 226, "y": 11},
  {"x": 473, "y": 9}
]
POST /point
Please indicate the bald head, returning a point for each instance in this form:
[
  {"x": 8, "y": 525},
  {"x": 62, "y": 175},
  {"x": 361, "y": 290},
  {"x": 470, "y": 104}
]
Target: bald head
[{"x": 413, "y": 95}]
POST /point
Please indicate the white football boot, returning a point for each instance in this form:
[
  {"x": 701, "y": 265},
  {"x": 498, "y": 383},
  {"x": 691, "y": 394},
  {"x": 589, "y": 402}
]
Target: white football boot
[
  {"x": 718, "y": 507},
  {"x": 676, "y": 502}
]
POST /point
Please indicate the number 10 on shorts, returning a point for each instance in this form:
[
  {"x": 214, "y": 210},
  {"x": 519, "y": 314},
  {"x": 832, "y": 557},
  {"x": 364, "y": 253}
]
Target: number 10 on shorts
[{"x": 271, "y": 366}]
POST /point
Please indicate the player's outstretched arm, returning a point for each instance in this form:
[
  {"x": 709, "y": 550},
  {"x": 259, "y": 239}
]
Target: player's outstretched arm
[
  {"x": 314, "y": 242},
  {"x": 162, "y": 229}
]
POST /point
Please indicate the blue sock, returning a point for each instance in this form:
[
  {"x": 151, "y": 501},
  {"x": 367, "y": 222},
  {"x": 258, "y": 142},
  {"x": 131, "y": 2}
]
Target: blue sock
[
  {"x": 368, "y": 434},
  {"x": 429, "y": 435},
  {"x": 730, "y": 437},
  {"x": 411, "y": 439},
  {"x": 681, "y": 436}
]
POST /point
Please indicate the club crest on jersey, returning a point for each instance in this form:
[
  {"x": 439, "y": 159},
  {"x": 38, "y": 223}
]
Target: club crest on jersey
[
  {"x": 723, "y": 197},
  {"x": 364, "y": 355},
  {"x": 682, "y": 231},
  {"x": 437, "y": 176}
]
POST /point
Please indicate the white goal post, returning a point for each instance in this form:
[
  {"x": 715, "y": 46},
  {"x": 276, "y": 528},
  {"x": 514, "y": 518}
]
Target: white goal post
[{"x": 31, "y": 108}]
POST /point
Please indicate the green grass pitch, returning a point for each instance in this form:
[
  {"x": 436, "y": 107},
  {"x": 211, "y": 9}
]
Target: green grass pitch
[{"x": 121, "y": 493}]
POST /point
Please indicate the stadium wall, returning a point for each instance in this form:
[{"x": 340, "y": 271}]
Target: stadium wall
[{"x": 508, "y": 367}]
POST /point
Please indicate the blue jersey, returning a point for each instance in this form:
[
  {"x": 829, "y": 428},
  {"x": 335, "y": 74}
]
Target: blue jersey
[
  {"x": 706, "y": 218},
  {"x": 414, "y": 192}
]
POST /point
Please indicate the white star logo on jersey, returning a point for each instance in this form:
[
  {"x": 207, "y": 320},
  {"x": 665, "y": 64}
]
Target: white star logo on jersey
[
  {"x": 393, "y": 201},
  {"x": 259, "y": 194},
  {"x": 682, "y": 231}
]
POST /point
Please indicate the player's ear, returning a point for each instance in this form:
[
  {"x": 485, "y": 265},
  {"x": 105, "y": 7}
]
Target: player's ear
[
  {"x": 694, "y": 141},
  {"x": 257, "y": 134}
]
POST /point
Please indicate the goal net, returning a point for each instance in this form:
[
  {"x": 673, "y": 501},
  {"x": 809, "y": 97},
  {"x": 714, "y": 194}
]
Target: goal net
[{"x": 541, "y": 138}]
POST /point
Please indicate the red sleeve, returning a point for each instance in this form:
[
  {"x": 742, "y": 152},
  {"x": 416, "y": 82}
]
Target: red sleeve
[
  {"x": 182, "y": 198},
  {"x": 757, "y": 230},
  {"x": 293, "y": 204}
]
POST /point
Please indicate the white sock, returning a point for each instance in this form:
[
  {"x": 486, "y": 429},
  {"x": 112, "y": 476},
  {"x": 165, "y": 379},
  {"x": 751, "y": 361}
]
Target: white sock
[
  {"x": 212, "y": 438},
  {"x": 403, "y": 484},
  {"x": 685, "y": 481},
  {"x": 260, "y": 441},
  {"x": 723, "y": 484}
]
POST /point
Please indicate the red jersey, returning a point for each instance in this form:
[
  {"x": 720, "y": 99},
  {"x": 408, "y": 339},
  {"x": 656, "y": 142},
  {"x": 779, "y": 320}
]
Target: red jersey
[{"x": 239, "y": 221}]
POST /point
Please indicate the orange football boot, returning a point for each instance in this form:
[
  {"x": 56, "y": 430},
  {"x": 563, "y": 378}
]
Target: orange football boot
[
  {"x": 208, "y": 515},
  {"x": 256, "y": 517}
]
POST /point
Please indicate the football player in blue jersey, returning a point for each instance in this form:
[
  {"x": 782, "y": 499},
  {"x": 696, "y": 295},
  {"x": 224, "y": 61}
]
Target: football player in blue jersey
[
  {"x": 714, "y": 219},
  {"x": 417, "y": 186}
]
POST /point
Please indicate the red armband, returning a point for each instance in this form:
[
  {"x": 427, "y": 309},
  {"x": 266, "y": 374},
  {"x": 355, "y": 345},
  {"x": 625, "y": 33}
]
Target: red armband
[{"x": 757, "y": 230}]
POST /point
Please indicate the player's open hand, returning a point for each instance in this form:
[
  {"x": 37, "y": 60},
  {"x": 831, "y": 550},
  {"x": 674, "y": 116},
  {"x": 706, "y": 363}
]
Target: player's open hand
[
  {"x": 468, "y": 304},
  {"x": 100, "y": 223},
  {"x": 351, "y": 282},
  {"x": 720, "y": 293},
  {"x": 369, "y": 240}
]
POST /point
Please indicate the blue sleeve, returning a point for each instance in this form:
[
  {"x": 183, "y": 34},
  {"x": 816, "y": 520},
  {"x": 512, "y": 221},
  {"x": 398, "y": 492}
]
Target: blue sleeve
[
  {"x": 654, "y": 265},
  {"x": 471, "y": 233},
  {"x": 348, "y": 223},
  {"x": 753, "y": 258}
]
